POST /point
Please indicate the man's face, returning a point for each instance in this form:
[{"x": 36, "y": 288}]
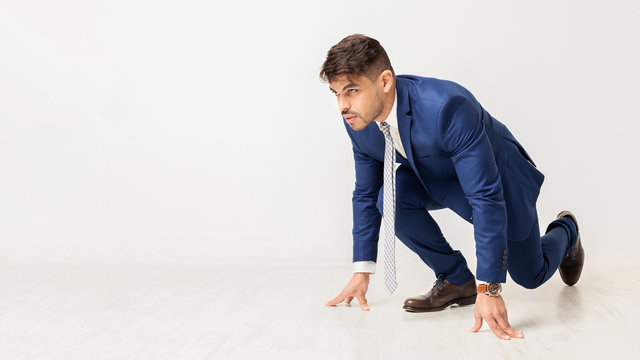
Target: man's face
[{"x": 360, "y": 100}]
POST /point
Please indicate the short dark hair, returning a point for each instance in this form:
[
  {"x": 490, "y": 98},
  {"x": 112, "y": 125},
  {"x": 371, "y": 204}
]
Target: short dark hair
[{"x": 356, "y": 54}]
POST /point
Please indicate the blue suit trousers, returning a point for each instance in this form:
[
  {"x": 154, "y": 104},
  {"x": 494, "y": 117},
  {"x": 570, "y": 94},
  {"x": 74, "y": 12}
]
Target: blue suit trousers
[{"x": 531, "y": 261}]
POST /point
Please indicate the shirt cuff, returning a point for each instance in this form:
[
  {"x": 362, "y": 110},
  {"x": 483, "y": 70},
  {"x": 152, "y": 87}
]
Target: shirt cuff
[{"x": 364, "y": 266}]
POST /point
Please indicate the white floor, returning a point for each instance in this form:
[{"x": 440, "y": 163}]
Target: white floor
[{"x": 236, "y": 312}]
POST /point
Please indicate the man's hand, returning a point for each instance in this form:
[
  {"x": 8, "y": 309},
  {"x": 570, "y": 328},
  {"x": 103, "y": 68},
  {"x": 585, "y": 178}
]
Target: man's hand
[
  {"x": 494, "y": 312},
  {"x": 356, "y": 287}
]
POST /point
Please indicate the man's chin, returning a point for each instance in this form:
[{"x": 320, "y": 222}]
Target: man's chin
[{"x": 358, "y": 126}]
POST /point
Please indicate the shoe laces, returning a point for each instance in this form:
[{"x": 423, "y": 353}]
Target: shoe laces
[{"x": 439, "y": 283}]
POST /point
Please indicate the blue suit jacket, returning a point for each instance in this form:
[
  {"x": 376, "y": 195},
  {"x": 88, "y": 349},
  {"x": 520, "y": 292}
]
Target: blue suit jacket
[{"x": 466, "y": 160}]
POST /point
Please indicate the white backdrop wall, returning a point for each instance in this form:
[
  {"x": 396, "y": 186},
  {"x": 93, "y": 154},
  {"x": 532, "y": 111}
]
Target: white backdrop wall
[{"x": 199, "y": 132}]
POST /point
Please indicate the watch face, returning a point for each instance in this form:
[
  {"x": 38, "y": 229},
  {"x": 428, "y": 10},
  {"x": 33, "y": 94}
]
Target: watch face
[{"x": 494, "y": 288}]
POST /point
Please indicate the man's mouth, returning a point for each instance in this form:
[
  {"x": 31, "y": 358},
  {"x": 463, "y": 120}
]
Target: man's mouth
[{"x": 350, "y": 119}]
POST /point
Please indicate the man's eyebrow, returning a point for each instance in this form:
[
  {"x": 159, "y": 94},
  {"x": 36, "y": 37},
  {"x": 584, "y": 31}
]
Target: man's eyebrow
[{"x": 349, "y": 85}]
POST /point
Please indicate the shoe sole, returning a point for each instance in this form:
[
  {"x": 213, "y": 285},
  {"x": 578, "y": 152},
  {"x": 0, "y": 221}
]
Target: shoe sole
[
  {"x": 570, "y": 215},
  {"x": 469, "y": 300}
]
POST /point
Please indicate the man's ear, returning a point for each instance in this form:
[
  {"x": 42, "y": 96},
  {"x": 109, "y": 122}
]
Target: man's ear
[{"x": 387, "y": 80}]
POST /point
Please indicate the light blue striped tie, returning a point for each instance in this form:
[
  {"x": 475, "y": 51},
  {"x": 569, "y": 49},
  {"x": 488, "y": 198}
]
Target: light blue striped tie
[{"x": 389, "y": 211}]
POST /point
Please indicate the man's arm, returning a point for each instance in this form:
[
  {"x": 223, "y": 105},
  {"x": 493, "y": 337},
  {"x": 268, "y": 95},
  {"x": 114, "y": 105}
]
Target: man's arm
[
  {"x": 463, "y": 137},
  {"x": 366, "y": 217},
  {"x": 366, "y": 228}
]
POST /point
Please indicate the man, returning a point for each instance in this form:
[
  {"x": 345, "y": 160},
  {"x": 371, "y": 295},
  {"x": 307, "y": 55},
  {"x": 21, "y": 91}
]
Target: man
[{"x": 452, "y": 154}]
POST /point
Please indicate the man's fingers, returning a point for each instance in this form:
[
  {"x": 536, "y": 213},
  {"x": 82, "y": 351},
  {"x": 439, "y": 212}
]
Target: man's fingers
[
  {"x": 338, "y": 299},
  {"x": 478, "y": 323},
  {"x": 363, "y": 302},
  {"x": 503, "y": 322},
  {"x": 514, "y": 333},
  {"x": 348, "y": 299},
  {"x": 497, "y": 330}
]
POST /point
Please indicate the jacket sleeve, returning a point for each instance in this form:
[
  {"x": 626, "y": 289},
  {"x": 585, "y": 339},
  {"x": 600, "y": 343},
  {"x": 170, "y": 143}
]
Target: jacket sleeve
[
  {"x": 366, "y": 217},
  {"x": 464, "y": 139}
]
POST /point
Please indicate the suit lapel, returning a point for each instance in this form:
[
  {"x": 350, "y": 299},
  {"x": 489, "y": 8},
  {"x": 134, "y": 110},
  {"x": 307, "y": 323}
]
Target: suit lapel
[
  {"x": 404, "y": 123},
  {"x": 404, "y": 119}
]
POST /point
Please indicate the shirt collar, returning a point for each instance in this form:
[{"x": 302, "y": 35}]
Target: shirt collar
[{"x": 392, "y": 119}]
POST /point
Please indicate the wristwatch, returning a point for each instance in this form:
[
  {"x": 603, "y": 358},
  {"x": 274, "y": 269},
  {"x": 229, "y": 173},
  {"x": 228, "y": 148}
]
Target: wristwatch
[{"x": 491, "y": 289}]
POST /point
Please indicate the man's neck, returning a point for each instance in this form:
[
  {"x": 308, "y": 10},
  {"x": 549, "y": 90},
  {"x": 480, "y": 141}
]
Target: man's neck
[{"x": 388, "y": 104}]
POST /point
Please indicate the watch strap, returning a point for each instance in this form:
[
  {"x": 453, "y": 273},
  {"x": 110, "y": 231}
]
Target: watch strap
[{"x": 491, "y": 289}]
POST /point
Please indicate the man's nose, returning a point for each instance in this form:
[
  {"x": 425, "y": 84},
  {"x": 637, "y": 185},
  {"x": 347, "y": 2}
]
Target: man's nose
[{"x": 343, "y": 105}]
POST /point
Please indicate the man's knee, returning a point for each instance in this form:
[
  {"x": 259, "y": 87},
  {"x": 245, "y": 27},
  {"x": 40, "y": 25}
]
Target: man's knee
[
  {"x": 528, "y": 282},
  {"x": 409, "y": 192}
]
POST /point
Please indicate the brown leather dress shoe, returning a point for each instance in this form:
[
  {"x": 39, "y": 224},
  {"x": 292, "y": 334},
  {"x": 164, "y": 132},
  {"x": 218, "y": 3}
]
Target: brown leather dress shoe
[
  {"x": 571, "y": 266},
  {"x": 442, "y": 294}
]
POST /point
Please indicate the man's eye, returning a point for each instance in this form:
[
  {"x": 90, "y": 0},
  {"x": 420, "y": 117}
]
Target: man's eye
[{"x": 352, "y": 91}]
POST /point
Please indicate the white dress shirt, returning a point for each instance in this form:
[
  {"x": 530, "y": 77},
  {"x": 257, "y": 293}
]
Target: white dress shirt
[{"x": 392, "y": 120}]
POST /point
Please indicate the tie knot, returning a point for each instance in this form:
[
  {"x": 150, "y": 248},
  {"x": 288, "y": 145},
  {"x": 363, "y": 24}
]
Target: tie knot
[{"x": 385, "y": 128}]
